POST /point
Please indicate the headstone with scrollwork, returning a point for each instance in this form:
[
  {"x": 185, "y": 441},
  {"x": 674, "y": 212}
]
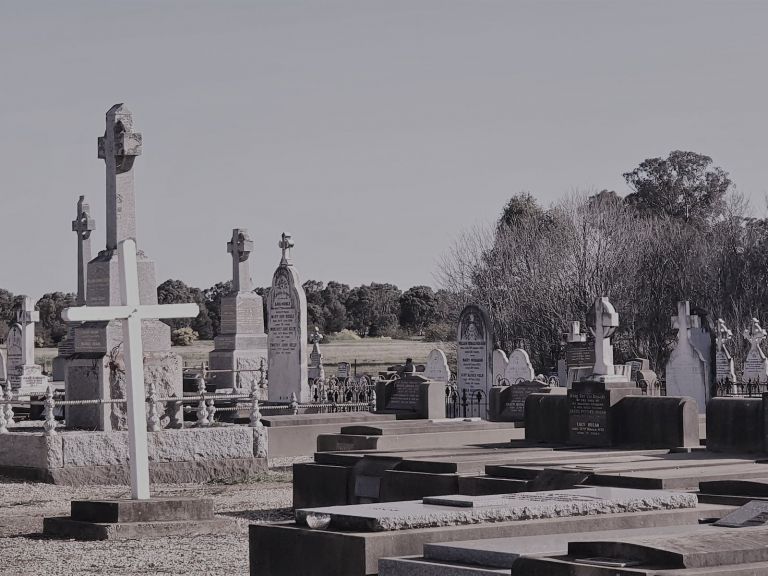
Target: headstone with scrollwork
[
  {"x": 756, "y": 364},
  {"x": 474, "y": 350},
  {"x": 437, "y": 367},
  {"x": 499, "y": 363},
  {"x": 287, "y": 337},
  {"x": 519, "y": 368}
]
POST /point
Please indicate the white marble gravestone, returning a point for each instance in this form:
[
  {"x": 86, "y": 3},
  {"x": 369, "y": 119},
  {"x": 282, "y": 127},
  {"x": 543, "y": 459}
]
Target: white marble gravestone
[
  {"x": 723, "y": 361},
  {"x": 287, "y": 337},
  {"x": 499, "y": 363},
  {"x": 755, "y": 364},
  {"x": 519, "y": 367},
  {"x": 687, "y": 370},
  {"x": 97, "y": 369},
  {"x": 437, "y": 367},
  {"x": 3, "y": 365},
  {"x": 316, "y": 368},
  {"x": 474, "y": 349},
  {"x": 24, "y": 375},
  {"x": 241, "y": 344}
]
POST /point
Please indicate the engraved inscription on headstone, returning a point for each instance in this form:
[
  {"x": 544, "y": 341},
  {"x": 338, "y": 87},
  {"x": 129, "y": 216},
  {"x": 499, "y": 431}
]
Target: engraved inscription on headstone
[
  {"x": 588, "y": 415},
  {"x": 474, "y": 340},
  {"x": 405, "y": 396}
]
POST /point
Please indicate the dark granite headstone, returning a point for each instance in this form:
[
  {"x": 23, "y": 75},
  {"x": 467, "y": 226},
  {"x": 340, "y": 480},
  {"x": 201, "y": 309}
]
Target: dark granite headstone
[
  {"x": 507, "y": 403},
  {"x": 411, "y": 396},
  {"x": 590, "y": 403}
]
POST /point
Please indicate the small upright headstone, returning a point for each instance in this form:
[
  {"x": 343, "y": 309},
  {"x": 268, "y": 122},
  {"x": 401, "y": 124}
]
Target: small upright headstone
[
  {"x": 474, "y": 348},
  {"x": 316, "y": 368},
  {"x": 241, "y": 344},
  {"x": 437, "y": 367},
  {"x": 756, "y": 364},
  {"x": 724, "y": 371},
  {"x": 287, "y": 335},
  {"x": 343, "y": 370},
  {"x": 499, "y": 362},
  {"x": 687, "y": 370},
  {"x": 519, "y": 368},
  {"x": 25, "y": 376},
  {"x": 579, "y": 355}
]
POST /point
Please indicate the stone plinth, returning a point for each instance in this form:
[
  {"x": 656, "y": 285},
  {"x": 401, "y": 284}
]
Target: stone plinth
[
  {"x": 130, "y": 519},
  {"x": 241, "y": 343}
]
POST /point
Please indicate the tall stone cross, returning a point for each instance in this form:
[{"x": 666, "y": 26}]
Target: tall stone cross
[
  {"x": 132, "y": 313},
  {"x": 755, "y": 334},
  {"x": 83, "y": 225},
  {"x": 119, "y": 148},
  {"x": 603, "y": 321},
  {"x": 684, "y": 321},
  {"x": 286, "y": 243},
  {"x": 240, "y": 247},
  {"x": 26, "y": 316}
]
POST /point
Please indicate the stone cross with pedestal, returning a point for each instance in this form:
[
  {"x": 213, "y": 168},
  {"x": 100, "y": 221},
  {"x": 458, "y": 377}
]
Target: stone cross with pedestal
[
  {"x": 96, "y": 371},
  {"x": 24, "y": 375},
  {"x": 83, "y": 225},
  {"x": 131, "y": 313},
  {"x": 316, "y": 368},
  {"x": 687, "y": 370},
  {"x": 756, "y": 364},
  {"x": 287, "y": 337},
  {"x": 241, "y": 344}
]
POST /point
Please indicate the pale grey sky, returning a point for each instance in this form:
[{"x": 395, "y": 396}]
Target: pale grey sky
[{"x": 373, "y": 131}]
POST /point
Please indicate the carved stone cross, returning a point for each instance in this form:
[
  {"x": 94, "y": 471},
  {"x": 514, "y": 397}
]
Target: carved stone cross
[
  {"x": 286, "y": 243},
  {"x": 316, "y": 337},
  {"x": 240, "y": 247},
  {"x": 603, "y": 321},
  {"x": 83, "y": 225},
  {"x": 724, "y": 334},
  {"x": 132, "y": 313},
  {"x": 684, "y": 321},
  {"x": 755, "y": 334},
  {"x": 119, "y": 148},
  {"x": 575, "y": 335}
]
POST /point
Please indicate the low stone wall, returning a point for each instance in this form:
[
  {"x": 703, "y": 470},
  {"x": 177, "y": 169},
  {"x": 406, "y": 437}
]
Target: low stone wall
[{"x": 190, "y": 455}]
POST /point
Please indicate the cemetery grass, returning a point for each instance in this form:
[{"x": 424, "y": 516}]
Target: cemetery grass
[
  {"x": 372, "y": 354},
  {"x": 25, "y": 552}
]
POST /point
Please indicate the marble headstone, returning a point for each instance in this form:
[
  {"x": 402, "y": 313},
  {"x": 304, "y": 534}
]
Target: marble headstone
[
  {"x": 24, "y": 375},
  {"x": 499, "y": 362},
  {"x": 724, "y": 369},
  {"x": 756, "y": 364},
  {"x": 687, "y": 370},
  {"x": 474, "y": 348},
  {"x": 287, "y": 337},
  {"x": 241, "y": 344},
  {"x": 519, "y": 368},
  {"x": 437, "y": 367}
]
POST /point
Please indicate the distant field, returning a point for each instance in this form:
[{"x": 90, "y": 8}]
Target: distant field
[{"x": 371, "y": 355}]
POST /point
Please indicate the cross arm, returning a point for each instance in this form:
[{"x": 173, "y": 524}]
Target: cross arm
[{"x": 105, "y": 313}]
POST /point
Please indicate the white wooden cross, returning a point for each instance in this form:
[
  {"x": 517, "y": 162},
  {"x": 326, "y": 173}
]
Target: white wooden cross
[
  {"x": 603, "y": 323},
  {"x": 132, "y": 312}
]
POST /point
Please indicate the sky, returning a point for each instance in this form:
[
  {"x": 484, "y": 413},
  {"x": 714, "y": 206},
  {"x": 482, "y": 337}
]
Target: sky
[{"x": 373, "y": 131}]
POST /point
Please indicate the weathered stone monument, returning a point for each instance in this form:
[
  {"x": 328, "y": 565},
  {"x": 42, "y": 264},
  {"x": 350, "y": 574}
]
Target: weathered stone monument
[
  {"x": 241, "y": 343},
  {"x": 97, "y": 368},
  {"x": 316, "y": 368},
  {"x": 82, "y": 225},
  {"x": 756, "y": 364},
  {"x": 437, "y": 367},
  {"x": 579, "y": 355},
  {"x": 24, "y": 375},
  {"x": 519, "y": 368},
  {"x": 688, "y": 368},
  {"x": 590, "y": 401},
  {"x": 474, "y": 350},
  {"x": 724, "y": 371},
  {"x": 287, "y": 337}
]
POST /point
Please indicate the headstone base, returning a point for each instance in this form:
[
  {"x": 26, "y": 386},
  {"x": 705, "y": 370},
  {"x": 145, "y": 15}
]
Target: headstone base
[
  {"x": 246, "y": 359},
  {"x": 132, "y": 519}
]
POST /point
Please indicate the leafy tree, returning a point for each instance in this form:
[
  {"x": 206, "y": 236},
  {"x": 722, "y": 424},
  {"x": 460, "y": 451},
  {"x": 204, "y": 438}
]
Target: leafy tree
[
  {"x": 175, "y": 292},
  {"x": 684, "y": 186},
  {"x": 51, "y": 329},
  {"x": 418, "y": 308},
  {"x": 212, "y": 298}
]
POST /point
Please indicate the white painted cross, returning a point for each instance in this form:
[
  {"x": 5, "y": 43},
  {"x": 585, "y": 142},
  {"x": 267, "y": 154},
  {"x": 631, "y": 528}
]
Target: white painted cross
[
  {"x": 132, "y": 312},
  {"x": 603, "y": 321}
]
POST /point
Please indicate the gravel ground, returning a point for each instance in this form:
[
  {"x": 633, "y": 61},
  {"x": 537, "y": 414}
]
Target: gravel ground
[{"x": 25, "y": 552}]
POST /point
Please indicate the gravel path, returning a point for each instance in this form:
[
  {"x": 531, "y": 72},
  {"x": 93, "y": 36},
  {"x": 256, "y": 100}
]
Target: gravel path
[{"x": 24, "y": 552}]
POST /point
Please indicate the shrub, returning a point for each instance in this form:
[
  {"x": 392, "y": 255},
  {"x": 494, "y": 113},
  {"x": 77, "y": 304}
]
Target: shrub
[{"x": 183, "y": 336}]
